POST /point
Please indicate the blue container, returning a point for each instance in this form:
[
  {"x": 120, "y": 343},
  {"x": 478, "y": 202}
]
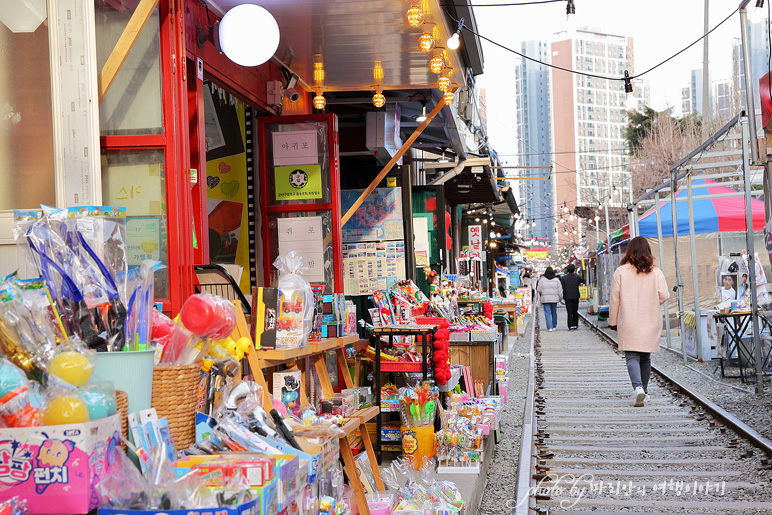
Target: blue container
[{"x": 131, "y": 372}]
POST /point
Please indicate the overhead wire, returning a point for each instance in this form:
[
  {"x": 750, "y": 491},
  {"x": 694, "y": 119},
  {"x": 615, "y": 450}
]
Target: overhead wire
[{"x": 463, "y": 25}]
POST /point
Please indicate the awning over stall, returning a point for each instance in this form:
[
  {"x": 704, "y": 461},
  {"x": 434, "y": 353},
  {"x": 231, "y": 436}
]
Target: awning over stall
[{"x": 722, "y": 214}]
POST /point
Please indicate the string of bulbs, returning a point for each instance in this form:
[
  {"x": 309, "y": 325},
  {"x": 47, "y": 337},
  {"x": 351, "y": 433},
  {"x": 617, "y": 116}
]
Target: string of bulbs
[{"x": 627, "y": 78}]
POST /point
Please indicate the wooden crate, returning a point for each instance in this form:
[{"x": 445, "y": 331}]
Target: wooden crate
[{"x": 478, "y": 355}]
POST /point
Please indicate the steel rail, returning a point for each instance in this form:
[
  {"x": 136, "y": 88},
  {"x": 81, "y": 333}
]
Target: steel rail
[
  {"x": 718, "y": 413},
  {"x": 526, "y": 469}
]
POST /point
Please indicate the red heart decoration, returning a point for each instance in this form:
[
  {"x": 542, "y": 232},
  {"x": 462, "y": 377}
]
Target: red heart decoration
[{"x": 224, "y": 167}]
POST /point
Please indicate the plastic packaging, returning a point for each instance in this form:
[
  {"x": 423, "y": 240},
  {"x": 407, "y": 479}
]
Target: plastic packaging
[
  {"x": 208, "y": 316},
  {"x": 100, "y": 400},
  {"x": 16, "y": 406},
  {"x": 20, "y": 337},
  {"x": 64, "y": 407},
  {"x": 14, "y": 506},
  {"x": 72, "y": 365},
  {"x": 296, "y": 306}
]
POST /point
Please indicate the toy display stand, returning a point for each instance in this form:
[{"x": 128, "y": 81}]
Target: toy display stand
[
  {"x": 425, "y": 333},
  {"x": 314, "y": 354}
]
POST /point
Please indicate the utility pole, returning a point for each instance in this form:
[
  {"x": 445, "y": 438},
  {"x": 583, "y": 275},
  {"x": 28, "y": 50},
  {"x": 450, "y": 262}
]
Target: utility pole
[{"x": 705, "y": 78}]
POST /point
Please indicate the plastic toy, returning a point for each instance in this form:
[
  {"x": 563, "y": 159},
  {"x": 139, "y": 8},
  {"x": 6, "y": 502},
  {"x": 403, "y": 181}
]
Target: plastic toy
[
  {"x": 11, "y": 377},
  {"x": 100, "y": 404},
  {"x": 65, "y": 409},
  {"x": 72, "y": 367}
]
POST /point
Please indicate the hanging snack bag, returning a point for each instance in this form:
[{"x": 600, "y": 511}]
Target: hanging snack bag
[{"x": 296, "y": 306}]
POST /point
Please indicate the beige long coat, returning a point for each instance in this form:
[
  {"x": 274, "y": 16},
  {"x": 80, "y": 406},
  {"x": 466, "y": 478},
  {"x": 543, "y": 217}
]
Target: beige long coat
[{"x": 635, "y": 308}]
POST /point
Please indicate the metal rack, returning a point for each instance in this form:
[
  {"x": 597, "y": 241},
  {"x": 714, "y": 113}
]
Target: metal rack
[{"x": 426, "y": 335}]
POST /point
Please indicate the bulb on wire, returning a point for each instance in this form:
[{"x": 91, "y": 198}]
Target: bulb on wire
[
  {"x": 757, "y": 14},
  {"x": 631, "y": 103}
]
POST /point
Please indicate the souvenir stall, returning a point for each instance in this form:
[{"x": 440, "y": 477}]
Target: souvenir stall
[
  {"x": 723, "y": 323},
  {"x": 106, "y": 402}
]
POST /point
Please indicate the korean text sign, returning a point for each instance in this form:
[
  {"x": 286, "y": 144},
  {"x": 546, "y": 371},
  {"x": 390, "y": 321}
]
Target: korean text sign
[{"x": 475, "y": 242}]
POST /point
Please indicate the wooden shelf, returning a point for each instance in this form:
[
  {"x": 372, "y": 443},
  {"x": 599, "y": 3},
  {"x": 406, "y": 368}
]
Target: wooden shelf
[
  {"x": 349, "y": 427},
  {"x": 273, "y": 357},
  {"x": 365, "y": 415}
]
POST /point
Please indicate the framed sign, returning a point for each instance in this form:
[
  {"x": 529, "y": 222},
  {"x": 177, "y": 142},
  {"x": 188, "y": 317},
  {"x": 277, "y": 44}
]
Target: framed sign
[{"x": 295, "y": 148}]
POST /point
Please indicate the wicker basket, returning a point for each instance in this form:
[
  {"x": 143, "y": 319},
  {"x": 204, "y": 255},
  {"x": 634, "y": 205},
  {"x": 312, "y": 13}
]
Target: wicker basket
[
  {"x": 122, "y": 401},
  {"x": 174, "y": 397}
]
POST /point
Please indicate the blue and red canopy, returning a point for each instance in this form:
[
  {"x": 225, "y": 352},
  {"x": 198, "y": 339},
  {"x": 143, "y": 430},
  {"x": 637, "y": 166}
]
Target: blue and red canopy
[{"x": 724, "y": 214}]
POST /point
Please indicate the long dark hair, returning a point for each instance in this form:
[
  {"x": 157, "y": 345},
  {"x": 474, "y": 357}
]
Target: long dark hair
[
  {"x": 639, "y": 255},
  {"x": 549, "y": 273}
]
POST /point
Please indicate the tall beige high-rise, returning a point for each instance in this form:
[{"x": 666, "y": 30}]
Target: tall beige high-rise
[{"x": 589, "y": 120}]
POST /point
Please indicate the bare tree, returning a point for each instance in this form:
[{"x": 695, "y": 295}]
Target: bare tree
[{"x": 664, "y": 142}]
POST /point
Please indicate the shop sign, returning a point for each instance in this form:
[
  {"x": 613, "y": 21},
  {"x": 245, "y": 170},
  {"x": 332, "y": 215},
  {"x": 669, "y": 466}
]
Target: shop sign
[
  {"x": 298, "y": 182},
  {"x": 143, "y": 240},
  {"x": 294, "y": 148},
  {"x": 475, "y": 242}
]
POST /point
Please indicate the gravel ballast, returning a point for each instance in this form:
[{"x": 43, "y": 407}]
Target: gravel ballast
[{"x": 502, "y": 476}]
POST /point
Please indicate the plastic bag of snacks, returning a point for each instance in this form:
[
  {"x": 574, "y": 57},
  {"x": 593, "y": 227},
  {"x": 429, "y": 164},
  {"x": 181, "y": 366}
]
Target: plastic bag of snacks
[{"x": 296, "y": 307}]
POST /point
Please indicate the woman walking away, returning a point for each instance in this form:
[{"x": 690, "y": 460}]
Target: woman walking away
[
  {"x": 550, "y": 293},
  {"x": 638, "y": 289}
]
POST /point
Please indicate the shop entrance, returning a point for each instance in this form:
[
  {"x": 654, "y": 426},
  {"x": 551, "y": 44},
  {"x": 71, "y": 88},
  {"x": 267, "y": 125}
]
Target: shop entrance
[{"x": 229, "y": 236}]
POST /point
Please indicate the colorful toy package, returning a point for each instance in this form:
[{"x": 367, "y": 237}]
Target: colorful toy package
[{"x": 56, "y": 468}]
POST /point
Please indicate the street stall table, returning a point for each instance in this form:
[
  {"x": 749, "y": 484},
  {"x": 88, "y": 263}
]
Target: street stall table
[{"x": 736, "y": 325}]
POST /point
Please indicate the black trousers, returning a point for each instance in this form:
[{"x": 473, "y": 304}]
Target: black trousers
[{"x": 572, "y": 308}]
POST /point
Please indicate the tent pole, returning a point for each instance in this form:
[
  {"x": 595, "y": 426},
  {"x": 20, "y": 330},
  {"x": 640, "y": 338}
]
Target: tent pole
[
  {"x": 679, "y": 285},
  {"x": 757, "y": 352},
  {"x": 662, "y": 266},
  {"x": 695, "y": 280},
  {"x": 607, "y": 261}
]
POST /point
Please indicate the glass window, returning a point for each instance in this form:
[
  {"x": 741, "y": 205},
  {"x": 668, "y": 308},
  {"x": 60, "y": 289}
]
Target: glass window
[
  {"x": 26, "y": 128},
  {"x": 133, "y": 102},
  {"x": 135, "y": 179}
]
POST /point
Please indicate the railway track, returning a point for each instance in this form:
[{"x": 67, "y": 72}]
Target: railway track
[{"x": 591, "y": 451}]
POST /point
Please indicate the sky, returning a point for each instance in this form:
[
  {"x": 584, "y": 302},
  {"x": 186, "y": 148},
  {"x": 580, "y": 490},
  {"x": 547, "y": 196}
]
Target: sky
[{"x": 660, "y": 28}]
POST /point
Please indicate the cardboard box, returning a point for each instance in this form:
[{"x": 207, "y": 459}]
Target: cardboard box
[
  {"x": 265, "y": 310},
  {"x": 252, "y": 507},
  {"x": 286, "y": 389},
  {"x": 56, "y": 468}
]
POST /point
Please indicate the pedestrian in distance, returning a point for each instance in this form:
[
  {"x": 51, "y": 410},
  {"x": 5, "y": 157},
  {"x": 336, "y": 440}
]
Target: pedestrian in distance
[
  {"x": 571, "y": 282},
  {"x": 550, "y": 293},
  {"x": 638, "y": 289}
]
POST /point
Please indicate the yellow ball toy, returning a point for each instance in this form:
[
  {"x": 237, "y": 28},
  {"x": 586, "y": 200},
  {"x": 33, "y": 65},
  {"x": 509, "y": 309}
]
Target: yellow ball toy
[
  {"x": 65, "y": 409},
  {"x": 71, "y": 366}
]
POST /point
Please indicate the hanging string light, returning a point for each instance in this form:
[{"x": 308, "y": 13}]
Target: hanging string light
[
  {"x": 426, "y": 42},
  {"x": 319, "y": 100},
  {"x": 448, "y": 97},
  {"x": 454, "y": 41},
  {"x": 414, "y": 17},
  {"x": 436, "y": 64},
  {"x": 443, "y": 83},
  {"x": 378, "y": 99}
]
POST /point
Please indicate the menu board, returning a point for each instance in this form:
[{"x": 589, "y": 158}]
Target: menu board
[{"x": 372, "y": 266}]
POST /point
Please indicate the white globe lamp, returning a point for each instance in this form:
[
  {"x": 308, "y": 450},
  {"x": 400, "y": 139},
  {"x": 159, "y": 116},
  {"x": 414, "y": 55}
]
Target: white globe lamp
[{"x": 249, "y": 35}]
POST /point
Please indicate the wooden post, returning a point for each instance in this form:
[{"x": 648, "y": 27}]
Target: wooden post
[
  {"x": 392, "y": 162},
  {"x": 124, "y": 45}
]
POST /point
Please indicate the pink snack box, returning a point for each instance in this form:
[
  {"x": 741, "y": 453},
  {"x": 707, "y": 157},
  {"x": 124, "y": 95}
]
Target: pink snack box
[{"x": 56, "y": 468}]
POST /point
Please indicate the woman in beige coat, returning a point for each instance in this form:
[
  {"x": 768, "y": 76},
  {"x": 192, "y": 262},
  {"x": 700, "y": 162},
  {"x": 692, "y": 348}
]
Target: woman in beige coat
[{"x": 637, "y": 291}]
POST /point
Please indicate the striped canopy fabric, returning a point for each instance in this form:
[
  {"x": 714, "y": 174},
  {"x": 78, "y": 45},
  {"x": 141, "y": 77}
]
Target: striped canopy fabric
[{"x": 725, "y": 214}]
